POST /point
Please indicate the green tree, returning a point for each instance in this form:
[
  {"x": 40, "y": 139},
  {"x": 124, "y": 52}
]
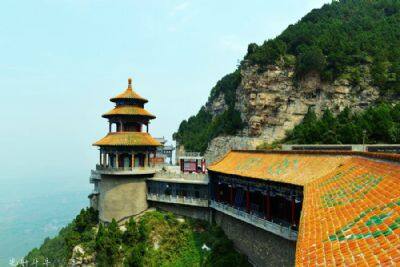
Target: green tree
[
  {"x": 108, "y": 242},
  {"x": 310, "y": 59}
]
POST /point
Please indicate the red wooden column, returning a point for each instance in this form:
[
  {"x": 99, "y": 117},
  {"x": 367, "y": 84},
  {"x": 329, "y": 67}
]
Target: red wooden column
[
  {"x": 231, "y": 194},
  {"x": 293, "y": 211},
  {"x": 248, "y": 201}
]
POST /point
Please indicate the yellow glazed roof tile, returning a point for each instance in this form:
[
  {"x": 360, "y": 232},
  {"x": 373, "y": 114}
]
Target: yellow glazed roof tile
[
  {"x": 353, "y": 214},
  {"x": 285, "y": 168},
  {"x": 129, "y": 111},
  {"x": 127, "y": 139}
]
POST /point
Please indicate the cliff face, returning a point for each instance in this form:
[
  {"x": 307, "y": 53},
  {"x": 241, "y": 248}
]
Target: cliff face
[{"x": 271, "y": 102}]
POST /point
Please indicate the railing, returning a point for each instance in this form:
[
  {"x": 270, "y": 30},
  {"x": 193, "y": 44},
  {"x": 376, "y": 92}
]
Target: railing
[
  {"x": 124, "y": 170},
  {"x": 191, "y": 154},
  {"x": 200, "y": 202},
  {"x": 188, "y": 177},
  {"x": 94, "y": 176},
  {"x": 283, "y": 231}
]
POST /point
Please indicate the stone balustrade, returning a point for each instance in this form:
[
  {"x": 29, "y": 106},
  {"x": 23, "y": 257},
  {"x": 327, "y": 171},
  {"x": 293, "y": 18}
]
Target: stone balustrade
[
  {"x": 124, "y": 170},
  {"x": 283, "y": 231},
  {"x": 199, "y": 202}
]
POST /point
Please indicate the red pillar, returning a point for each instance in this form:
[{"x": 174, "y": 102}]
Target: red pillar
[
  {"x": 248, "y": 201},
  {"x": 293, "y": 212},
  {"x": 231, "y": 195}
]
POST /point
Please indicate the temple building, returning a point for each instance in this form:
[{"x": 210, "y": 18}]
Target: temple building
[
  {"x": 126, "y": 156},
  {"x": 164, "y": 152}
]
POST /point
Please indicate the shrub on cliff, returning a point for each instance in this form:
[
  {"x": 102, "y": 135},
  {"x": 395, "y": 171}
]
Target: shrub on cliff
[
  {"x": 108, "y": 243},
  {"x": 380, "y": 124}
]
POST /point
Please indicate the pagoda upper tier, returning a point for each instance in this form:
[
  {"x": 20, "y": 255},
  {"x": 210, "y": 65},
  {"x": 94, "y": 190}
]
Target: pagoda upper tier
[
  {"x": 129, "y": 95},
  {"x": 128, "y": 116},
  {"x": 129, "y": 103}
]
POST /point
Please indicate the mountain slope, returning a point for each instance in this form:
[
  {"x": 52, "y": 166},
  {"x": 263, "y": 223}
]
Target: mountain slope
[{"x": 345, "y": 54}]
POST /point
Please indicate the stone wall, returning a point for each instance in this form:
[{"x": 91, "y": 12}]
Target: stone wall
[
  {"x": 261, "y": 247},
  {"x": 219, "y": 146},
  {"x": 121, "y": 197},
  {"x": 200, "y": 213}
]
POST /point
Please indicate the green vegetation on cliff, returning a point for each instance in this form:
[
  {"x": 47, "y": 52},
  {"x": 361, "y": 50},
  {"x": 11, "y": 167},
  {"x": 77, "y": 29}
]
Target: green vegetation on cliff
[
  {"x": 58, "y": 250},
  {"x": 196, "y": 132},
  {"x": 156, "y": 239},
  {"x": 358, "y": 40},
  {"x": 380, "y": 124},
  {"x": 338, "y": 40}
]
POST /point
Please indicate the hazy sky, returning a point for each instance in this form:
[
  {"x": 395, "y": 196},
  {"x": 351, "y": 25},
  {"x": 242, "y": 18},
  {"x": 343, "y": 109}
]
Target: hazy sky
[{"x": 61, "y": 60}]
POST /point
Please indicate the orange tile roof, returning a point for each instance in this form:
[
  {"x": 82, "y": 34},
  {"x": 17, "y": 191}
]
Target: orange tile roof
[
  {"x": 129, "y": 111},
  {"x": 127, "y": 139},
  {"x": 351, "y": 205},
  {"x": 286, "y": 168},
  {"x": 352, "y": 216}
]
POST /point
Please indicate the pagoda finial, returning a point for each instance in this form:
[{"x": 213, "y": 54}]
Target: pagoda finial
[{"x": 130, "y": 83}]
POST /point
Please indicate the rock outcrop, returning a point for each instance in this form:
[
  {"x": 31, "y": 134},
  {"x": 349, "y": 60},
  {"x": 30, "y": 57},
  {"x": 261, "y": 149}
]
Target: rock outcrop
[
  {"x": 80, "y": 258},
  {"x": 219, "y": 146},
  {"x": 271, "y": 102}
]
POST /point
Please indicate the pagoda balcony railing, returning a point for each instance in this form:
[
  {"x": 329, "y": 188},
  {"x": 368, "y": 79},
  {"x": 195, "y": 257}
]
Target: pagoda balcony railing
[
  {"x": 94, "y": 176},
  {"x": 124, "y": 170},
  {"x": 191, "y": 201},
  {"x": 281, "y": 230}
]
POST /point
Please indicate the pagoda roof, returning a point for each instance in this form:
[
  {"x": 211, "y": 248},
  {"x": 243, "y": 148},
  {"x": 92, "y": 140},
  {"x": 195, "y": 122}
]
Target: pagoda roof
[
  {"x": 128, "y": 139},
  {"x": 128, "y": 110},
  {"x": 129, "y": 94},
  {"x": 351, "y": 205}
]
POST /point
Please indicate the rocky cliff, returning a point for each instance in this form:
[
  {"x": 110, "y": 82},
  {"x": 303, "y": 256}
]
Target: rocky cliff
[{"x": 272, "y": 102}]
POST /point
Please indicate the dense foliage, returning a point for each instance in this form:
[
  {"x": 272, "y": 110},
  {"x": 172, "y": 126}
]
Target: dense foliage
[
  {"x": 339, "y": 39},
  {"x": 380, "y": 124},
  {"x": 196, "y": 132},
  {"x": 157, "y": 239},
  {"x": 58, "y": 250}
]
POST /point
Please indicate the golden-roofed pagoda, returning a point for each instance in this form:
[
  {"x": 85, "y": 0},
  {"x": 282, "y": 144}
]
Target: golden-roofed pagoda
[
  {"x": 127, "y": 159},
  {"x": 129, "y": 116}
]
